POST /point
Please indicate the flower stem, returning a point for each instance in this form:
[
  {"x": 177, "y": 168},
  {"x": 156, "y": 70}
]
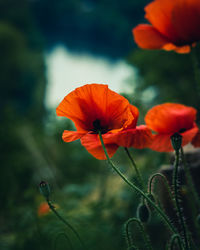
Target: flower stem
[
  {"x": 138, "y": 190},
  {"x": 189, "y": 179},
  {"x": 138, "y": 175},
  {"x": 66, "y": 223},
  {"x": 164, "y": 179},
  {"x": 177, "y": 202},
  {"x": 142, "y": 230}
]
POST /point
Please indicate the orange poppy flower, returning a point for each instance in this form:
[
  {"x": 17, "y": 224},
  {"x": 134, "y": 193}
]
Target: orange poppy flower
[
  {"x": 174, "y": 25},
  {"x": 43, "y": 209},
  {"x": 95, "y": 107},
  {"x": 167, "y": 119}
]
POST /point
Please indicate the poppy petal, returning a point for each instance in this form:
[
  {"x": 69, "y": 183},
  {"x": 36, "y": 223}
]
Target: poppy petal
[
  {"x": 147, "y": 37},
  {"x": 69, "y": 136},
  {"x": 189, "y": 135},
  {"x": 162, "y": 142},
  {"x": 170, "y": 118},
  {"x": 177, "y": 20},
  {"x": 159, "y": 14},
  {"x": 93, "y": 102},
  {"x": 93, "y": 145},
  {"x": 186, "y": 20},
  {"x": 196, "y": 140},
  {"x": 139, "y": 137}
]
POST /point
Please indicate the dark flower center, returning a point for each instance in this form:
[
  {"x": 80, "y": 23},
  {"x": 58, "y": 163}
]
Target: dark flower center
[
  {"x": 182, "y": 130},
  {"x": 97, "y": 127}
]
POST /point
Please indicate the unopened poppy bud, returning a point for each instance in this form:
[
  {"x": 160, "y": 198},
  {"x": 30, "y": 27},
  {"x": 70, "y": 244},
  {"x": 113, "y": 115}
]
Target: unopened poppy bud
[
  {"x": 176, "y": 141},
  {"x": 143, "y": 213},
  {"x": 44, "y": 189}
]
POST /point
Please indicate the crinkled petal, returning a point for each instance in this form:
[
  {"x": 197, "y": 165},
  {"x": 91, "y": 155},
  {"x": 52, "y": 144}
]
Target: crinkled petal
[
  {"x": 147, "y": 37},
  {"x": 93, "y": 145},
  {"x": 162, "y": 142},
  {"x": 90, "y": 102},
  {"x": 170, "y": 118},
  {"x": 178, "y": 20},
  {"x": 139, "y": 137},
  {"x": 69, "y": 136}
]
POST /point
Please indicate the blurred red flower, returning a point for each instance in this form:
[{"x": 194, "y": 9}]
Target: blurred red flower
[
  {"x": 167, "y": 119},
  {"x": 43, "y": 209},
  {"x": 93, "y": 108},
  {"x": 174, "y": 25}
]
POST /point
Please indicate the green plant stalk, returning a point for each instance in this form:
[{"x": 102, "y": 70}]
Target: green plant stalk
[
  {"x": 178, "y": 206},
  {"x": 172, "y": 242},
  {"x": 142, "y": 230},
  {"x": 66, "y": 223},
  {"x": 189, "y": 179},
  {"x": 150, "y": 184},
  {"x": 135, "y": 188},
  {"x": 67, "y": 238},
  {"x": 138, "y": 175}
]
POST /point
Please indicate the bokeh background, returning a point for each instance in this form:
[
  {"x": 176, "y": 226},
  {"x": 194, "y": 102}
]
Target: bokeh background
[{"x": 48, "y": 48}]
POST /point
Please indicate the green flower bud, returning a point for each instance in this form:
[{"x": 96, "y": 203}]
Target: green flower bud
[
  {"x": 44, "y": 189},
  {"x": 176, "y": 141},
  {"x": 143, "y": 213}
]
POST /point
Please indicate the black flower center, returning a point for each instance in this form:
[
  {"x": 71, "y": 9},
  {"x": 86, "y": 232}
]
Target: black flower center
[
  {"x": 97, "y": 127},
  {"x": 182, "y": 130}
]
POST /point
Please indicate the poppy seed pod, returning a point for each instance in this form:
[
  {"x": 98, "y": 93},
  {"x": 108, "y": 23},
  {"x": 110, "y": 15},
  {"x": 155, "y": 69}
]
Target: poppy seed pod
[
  {"x": 44, "y": 189},
  {"x": 143, "y": 213},
  {"x": 176, "y": 141}
]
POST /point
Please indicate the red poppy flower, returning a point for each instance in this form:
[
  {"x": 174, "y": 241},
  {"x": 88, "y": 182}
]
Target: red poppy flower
[
  {"x": 167, "y": 119},
  {"x": 174, "y": 25},
  {"x": 43, "y": 209},
  {"x": 95, "y": 108}
]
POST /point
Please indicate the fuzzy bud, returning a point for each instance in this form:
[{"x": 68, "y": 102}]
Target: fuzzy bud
[
  {"x": 143, "y": 213},
  {"x": 176, "y": 141},
  {"x": 44, "y": 189}
]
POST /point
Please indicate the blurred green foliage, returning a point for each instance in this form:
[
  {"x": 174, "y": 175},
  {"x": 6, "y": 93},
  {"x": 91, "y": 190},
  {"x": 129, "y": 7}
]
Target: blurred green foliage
[
  {"x": 98, "y": 26},
  {"x": 88, "y": 194}
]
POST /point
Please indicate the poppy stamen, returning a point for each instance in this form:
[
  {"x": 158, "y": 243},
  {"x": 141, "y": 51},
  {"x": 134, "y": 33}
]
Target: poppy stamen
[{"x": 97, "y": 127}]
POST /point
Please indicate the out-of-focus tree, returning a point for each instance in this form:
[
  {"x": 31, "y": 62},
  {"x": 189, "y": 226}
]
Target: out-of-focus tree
[{"x": 101, "y": 27}]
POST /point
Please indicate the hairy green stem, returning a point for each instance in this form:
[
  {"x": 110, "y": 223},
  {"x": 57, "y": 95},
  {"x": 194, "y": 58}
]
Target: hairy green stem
[
  {"x": 66, "y": 223},
  {"x": 150, "y": 184},
  {"x": 172, "y": 242},
  {"x": 178, "y": 205},
  {"x": 138, "y": 190},
  {"x": 138, "y": 175},
  {"x": 142, "y": 230}
]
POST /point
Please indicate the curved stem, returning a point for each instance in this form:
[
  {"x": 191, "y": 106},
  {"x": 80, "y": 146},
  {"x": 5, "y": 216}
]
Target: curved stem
[
  {"x": 178, "y": 206},
  {"x": 67, "y": 238},
  {"x": 135, "y": 188},
  {"x": 65, "y": 222},
  {"x": 139, "y": 177},
  {"x": 172, "y": 242},
  {"x": 150, "y": 184},
  {"x": 141, "y": 227}
]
